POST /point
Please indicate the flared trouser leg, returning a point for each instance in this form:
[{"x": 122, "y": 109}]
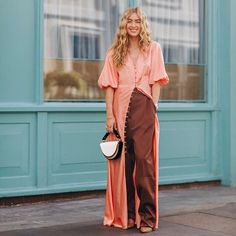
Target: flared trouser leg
[{"x": 140, "y": 125}]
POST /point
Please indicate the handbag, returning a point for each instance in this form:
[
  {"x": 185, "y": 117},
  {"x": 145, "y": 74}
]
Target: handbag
[{"x": 111, "y": 149}]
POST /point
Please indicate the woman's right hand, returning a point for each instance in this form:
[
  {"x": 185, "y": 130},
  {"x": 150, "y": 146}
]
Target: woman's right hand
[{"x": 110, "y": 124}]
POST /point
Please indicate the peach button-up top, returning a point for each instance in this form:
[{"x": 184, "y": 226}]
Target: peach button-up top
[{"x": 148, "y": 70}]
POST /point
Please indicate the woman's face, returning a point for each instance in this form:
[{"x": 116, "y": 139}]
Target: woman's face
[{"x": 133, "y": 25}]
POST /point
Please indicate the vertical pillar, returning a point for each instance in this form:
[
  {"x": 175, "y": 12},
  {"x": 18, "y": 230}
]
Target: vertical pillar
[{"x": 233, "y": 92}]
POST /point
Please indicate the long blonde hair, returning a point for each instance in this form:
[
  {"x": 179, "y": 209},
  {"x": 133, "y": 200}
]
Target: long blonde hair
[{"x": 121, "y": 41}]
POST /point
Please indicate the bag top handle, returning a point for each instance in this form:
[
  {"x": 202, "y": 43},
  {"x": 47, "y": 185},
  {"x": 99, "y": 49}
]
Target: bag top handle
[{"x": 114, "y": 131}]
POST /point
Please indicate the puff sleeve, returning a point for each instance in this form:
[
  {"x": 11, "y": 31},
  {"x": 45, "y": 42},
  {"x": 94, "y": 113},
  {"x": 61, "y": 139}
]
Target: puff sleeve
[
  {"x": 158, "y": 72},
  {"x": 109, "y": 74}
]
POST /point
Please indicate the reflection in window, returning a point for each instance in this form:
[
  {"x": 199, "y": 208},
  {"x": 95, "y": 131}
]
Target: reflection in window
[
  {"x": 78, "y": 34},
  {"x": 180, "y": 27},
  {"x": 86, "y": 46}
]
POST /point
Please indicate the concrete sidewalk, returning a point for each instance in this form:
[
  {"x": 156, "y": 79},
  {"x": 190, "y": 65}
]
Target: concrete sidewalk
[{"x": 201, "y": 211}]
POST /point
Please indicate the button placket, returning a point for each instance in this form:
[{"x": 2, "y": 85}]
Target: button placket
[{"x": 135, "y": 75}]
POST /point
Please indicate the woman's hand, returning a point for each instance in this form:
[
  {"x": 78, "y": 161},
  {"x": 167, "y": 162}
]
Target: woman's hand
[
  {"x": 156, "y": 94},
  {"x": 110, "y": 124}
]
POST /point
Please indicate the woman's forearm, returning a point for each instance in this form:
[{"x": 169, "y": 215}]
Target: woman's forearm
[
  {"x": 109, "y": 102},
  {"x": 156, "y": 92},
  {"x": 110, "y": 119}
]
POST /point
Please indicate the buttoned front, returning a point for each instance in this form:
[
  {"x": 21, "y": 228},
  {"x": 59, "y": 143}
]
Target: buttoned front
[{"x": 149, "y": 69}]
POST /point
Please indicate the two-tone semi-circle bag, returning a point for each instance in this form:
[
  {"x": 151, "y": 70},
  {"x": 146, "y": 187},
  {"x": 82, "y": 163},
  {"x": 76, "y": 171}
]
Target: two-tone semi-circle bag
[{"x": 111, "y": 149}]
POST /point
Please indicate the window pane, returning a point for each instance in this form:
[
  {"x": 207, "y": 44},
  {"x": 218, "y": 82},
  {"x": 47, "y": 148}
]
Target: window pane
[
  {"x": 77, "y": 35},
  {"x": 180, "y": 27}
]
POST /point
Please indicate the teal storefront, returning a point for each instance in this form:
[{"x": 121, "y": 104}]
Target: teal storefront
[{"x": 50, "y": 144}]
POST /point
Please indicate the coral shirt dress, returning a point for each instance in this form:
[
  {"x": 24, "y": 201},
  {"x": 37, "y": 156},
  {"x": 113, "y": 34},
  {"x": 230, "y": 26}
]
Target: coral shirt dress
[{"x": 128, "y": 81}]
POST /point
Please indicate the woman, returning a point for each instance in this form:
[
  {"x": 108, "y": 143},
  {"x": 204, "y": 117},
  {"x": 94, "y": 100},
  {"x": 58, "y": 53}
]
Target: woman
[{"x": 132, "y": 75}]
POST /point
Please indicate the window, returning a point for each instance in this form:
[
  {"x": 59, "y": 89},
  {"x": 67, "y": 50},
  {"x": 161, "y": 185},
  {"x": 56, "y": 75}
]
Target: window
[
  {"x": 86, "y": 46},
  {"x": 180, "y": 27},
  {"x": 78, "y": 34}
]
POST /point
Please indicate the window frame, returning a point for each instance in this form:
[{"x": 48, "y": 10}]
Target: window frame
[{"x": 211, "y": 87}]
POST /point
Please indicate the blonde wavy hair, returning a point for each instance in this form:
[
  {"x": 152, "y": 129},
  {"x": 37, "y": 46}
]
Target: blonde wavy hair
[{"x": 121, "y": 41}]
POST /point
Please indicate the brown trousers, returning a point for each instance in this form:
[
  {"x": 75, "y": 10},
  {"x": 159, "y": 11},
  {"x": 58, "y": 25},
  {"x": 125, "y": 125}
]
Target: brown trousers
[{"x": 139, "y": 131}]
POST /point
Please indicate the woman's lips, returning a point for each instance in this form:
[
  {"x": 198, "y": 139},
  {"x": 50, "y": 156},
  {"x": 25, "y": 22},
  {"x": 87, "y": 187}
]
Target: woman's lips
[{"x": 133, "y": 30}]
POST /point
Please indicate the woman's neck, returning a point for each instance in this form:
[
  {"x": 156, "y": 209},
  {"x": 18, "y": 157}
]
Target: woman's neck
[{"x": 134, "y": 43}]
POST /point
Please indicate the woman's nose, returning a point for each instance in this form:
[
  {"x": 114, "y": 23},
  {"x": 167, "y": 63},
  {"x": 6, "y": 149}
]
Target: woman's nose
[{"x": 133, "y": 23}]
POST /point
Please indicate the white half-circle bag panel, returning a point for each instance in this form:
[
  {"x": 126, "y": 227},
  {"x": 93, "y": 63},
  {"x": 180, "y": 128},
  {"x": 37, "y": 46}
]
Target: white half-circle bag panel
[{"x": 109, "y": 148}]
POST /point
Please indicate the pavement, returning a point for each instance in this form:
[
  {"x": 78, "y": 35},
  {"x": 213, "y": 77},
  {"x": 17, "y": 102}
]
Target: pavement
[{"x": 196, "y": 211}]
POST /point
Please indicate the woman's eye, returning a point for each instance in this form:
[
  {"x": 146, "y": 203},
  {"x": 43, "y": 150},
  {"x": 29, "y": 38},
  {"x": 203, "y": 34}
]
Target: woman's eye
[{"x": 136, "y": 21}]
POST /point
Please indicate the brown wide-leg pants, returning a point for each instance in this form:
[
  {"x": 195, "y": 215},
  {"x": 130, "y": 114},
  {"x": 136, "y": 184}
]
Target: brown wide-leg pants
[{"x": 139, "y": 131}]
